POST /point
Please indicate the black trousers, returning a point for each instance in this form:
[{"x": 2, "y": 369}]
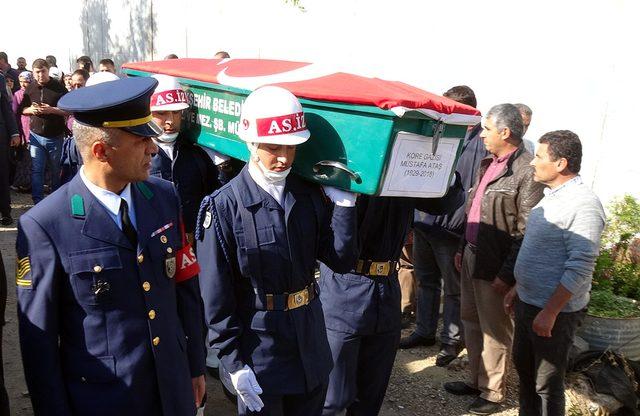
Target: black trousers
[
  {"x": 362, "y": 367},
  {"x": 4, "y": 398},
  {"x": 541, "y": 362},
  {"x": 5, "y": 196}
]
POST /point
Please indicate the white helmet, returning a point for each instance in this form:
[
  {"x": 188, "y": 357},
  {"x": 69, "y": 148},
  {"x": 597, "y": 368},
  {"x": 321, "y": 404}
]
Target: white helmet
[
  {"x": 169, "y": 95},
  {"x": 55, "y": 72},
  {"x": 272, "y": 115},
  {"x": 100, "y": 77}
]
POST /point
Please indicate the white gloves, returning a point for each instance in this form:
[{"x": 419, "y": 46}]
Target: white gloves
[
  {"x": 453, "y": 179},
  {"x": 339, "y": 197},
  {"x": 245, "y": 383}
]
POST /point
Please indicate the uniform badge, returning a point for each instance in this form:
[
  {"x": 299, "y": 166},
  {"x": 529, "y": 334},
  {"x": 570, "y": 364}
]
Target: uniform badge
[
  {"x": 170, "y": 265},
  {"x": 161, "y": 229},
  {"x": 100, "y": 289},
  {"x": 207, "y": 220},
  {"x": 23, "y": 268}
]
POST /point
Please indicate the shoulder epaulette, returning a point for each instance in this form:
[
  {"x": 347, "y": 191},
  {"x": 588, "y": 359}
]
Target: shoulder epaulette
[
  {"x": 77, "y": 206},
  {"x": 204, "y": 216}
]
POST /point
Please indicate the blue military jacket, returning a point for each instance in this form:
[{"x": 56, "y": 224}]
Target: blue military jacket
[
  {"x": 358, "y": 304},
  {"x": 288, "y": 350},
  {"x": 70, "y": 160},
  {"x": 104, "y": 329},
  {"x": 193, "y": 174}
]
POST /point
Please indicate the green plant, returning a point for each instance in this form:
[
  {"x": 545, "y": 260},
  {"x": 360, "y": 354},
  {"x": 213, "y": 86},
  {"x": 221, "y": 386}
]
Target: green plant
[
  {"x": 617, "y": 269},
  {"x": 623, "y": 223},
  {"x": 605, "y": 304},
  {"x": 618, "y": 277}
]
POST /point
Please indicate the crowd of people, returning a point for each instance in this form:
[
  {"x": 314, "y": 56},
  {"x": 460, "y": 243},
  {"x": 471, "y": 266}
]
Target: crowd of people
[
  {"x": 481, "y": 255},
  {"x": 512, "y": 246},
  {"x": 42, "y": 128}
]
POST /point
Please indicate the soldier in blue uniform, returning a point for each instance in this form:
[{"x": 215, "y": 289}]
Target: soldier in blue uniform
[
  {"x": 261, "y": 235},
  {"x": 178, "y": 159},
  {"x": 108, "y": 302},
  {"x": 362, "y": 307}
]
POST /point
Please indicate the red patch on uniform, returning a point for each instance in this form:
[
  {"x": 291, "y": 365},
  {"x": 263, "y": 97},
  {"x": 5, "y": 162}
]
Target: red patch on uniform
[{"x": 187, "y": 266}]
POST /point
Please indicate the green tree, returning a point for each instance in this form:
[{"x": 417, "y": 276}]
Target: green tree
[{"x": 624, "y": 222}]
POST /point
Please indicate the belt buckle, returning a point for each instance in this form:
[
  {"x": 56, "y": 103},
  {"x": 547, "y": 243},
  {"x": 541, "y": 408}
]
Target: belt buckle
[
  {"x": 295, "y": 300},
  {"x": 379, "y": 268}
]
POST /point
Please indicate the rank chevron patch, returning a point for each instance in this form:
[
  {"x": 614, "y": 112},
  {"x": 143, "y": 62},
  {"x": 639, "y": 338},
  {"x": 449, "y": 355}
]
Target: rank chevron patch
[{"x": 23, "y": 268}]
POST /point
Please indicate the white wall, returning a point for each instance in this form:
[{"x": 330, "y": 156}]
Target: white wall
[{"x": 573, "y": 62}]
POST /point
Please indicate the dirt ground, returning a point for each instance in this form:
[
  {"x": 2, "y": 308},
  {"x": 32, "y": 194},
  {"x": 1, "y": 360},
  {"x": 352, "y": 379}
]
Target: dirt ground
[{"x": 415, "y": 387}]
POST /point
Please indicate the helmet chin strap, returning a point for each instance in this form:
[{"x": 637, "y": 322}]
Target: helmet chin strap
[
  {"x": 270, "y": 176},
  {"x": 167, "y": 137}
]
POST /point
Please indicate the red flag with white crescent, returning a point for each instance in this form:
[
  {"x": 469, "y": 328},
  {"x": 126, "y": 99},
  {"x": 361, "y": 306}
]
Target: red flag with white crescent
[{"x": 316, "y": 82}]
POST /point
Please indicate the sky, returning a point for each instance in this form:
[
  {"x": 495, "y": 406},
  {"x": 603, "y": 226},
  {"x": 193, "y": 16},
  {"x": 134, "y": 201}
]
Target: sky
[{"x": 575, "y": 63}]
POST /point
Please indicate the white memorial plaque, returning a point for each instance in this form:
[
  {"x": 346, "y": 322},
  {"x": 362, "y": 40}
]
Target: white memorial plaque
[{"x": 415, "y": 171}]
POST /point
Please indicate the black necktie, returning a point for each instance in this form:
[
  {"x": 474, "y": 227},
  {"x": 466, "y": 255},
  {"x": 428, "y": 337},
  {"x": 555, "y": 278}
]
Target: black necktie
[{"x": 127, "y": 227}]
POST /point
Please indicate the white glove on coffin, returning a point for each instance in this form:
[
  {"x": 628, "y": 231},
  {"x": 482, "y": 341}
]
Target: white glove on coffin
[{"x": 339, "y": 197}]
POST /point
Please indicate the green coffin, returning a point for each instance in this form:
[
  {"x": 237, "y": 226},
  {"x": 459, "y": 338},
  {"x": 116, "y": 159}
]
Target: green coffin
[{"x": 350, "y": 145}]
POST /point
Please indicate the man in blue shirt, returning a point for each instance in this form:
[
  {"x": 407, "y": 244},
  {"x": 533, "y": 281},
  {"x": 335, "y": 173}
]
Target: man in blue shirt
[{"x": 553, "y": 273}]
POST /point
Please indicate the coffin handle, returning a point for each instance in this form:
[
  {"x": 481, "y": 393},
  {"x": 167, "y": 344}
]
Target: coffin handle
[{"x": 318, "y": 167}]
